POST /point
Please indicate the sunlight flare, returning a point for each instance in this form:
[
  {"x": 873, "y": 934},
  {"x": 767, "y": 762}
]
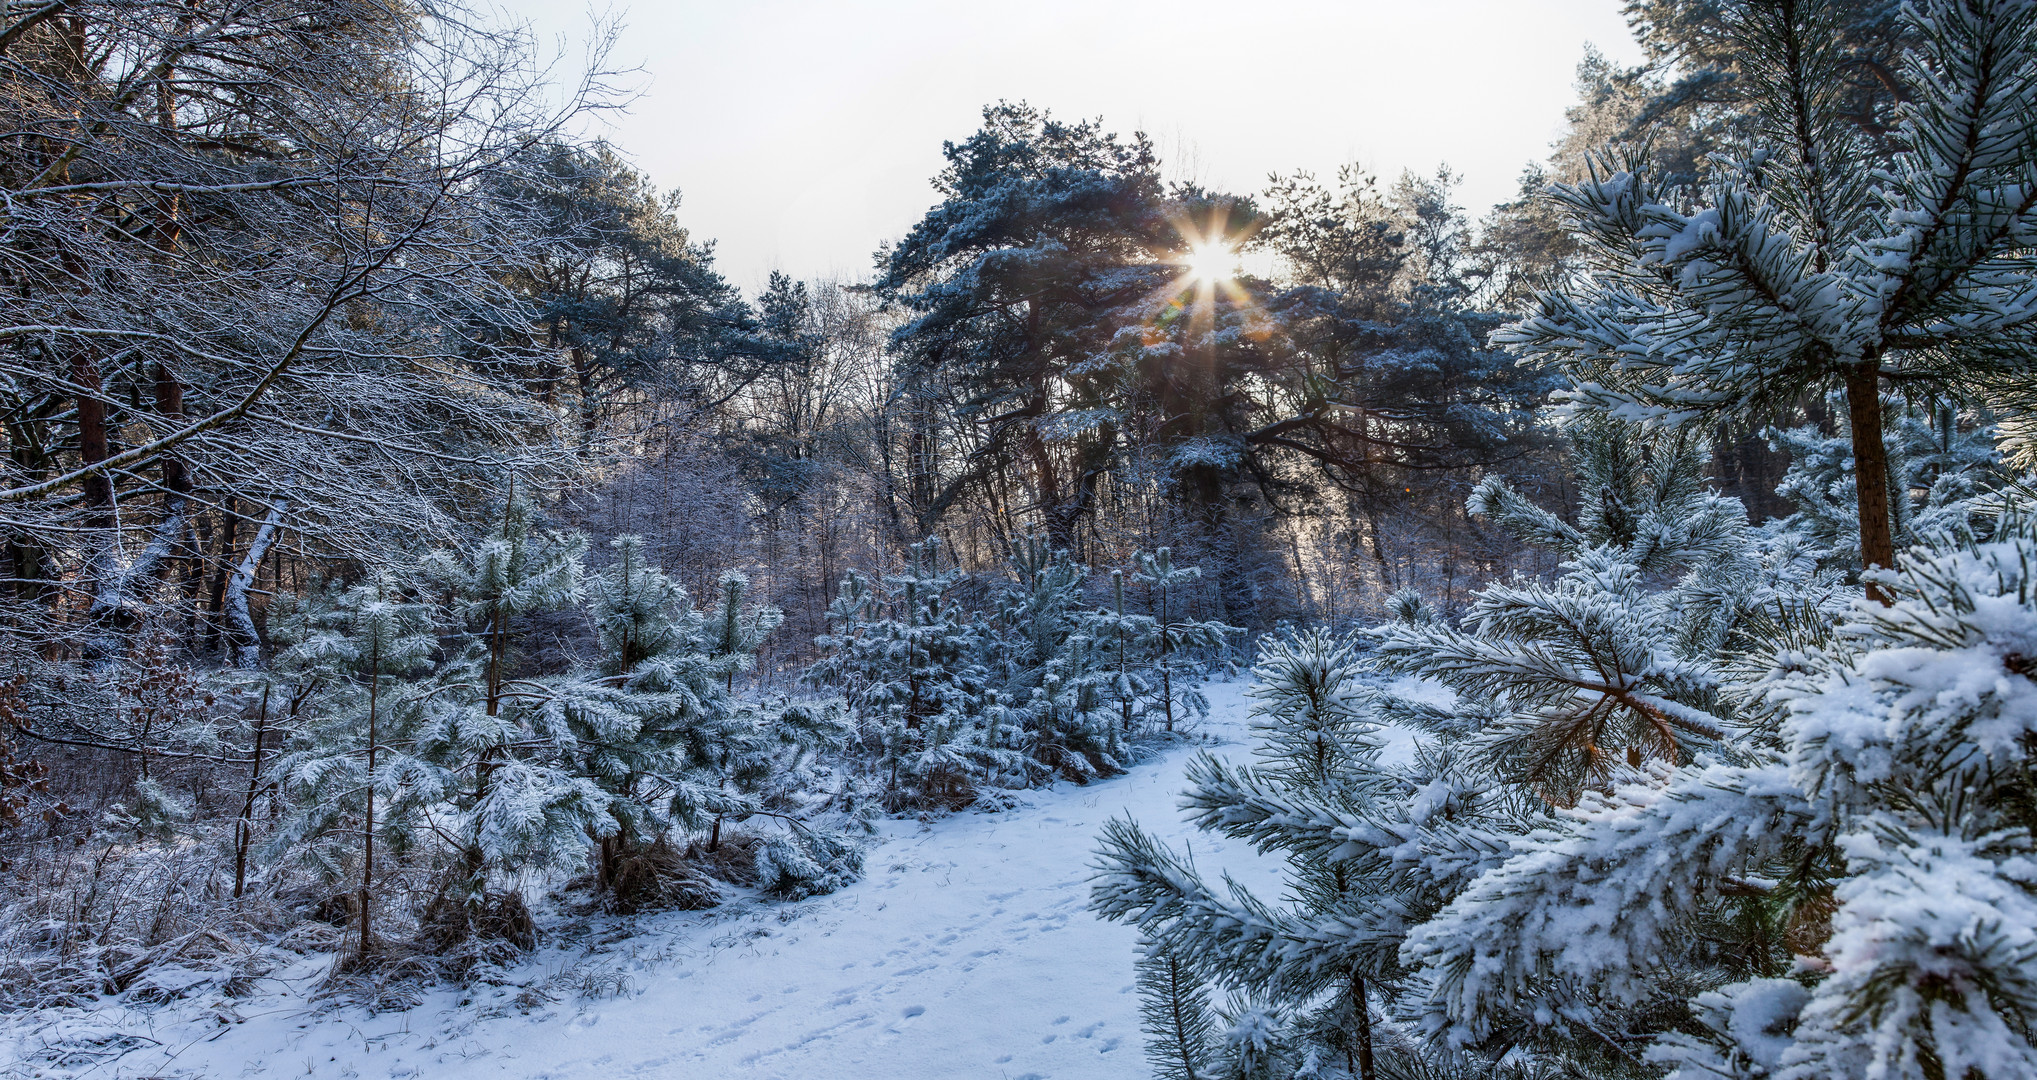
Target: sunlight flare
[{"x": 1211, "y": 262}]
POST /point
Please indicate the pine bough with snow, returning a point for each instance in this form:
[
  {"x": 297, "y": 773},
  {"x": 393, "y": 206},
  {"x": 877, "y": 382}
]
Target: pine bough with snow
[{"x": 1668, "y": 816}]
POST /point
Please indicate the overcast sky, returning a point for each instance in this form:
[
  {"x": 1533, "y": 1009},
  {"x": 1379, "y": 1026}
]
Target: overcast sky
[{"x": 804, "y": 134}]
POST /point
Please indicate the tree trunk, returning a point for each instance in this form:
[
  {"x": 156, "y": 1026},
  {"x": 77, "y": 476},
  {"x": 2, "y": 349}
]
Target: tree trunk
[
  {"x": 122, "y": 587},
  {"x": 1362, "y": 1011},
  {"x": 92, "y": 446},
  {"x": 583, "y": 379},
  {"x": 1870, "y": 470},
  {"x": 247, "y": 652},
  {"x": 102, "y": 534},
  {"x": 368, "y": 818},
  {"x": 244, "y": 829},
  {"x": 229, "y": 526}
]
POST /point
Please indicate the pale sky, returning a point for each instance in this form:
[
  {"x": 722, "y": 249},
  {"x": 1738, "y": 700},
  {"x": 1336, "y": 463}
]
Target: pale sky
[{"x": 803, "y": 134}]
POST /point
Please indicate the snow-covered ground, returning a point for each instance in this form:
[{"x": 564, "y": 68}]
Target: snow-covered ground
[{"x": 966, "y": 951}]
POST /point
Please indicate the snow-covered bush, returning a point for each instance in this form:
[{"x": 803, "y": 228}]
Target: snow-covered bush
[
  {"x": 909, "y": 660},
  {"x": 1041, "y": 685},
  {"x": 806, "y": 863},
  {"x": 1054, "y": 690}
]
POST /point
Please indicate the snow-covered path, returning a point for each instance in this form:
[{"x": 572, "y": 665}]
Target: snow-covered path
[{"x": 966, "y": 951}]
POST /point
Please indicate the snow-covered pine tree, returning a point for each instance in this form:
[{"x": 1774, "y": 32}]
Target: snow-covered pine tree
[
  {"x": 1550, "y": 693},
  {"x": 740, "y": 627},
  {"x": 908, "y": 660},
  {"x": 1182, "y": 646},
  {"x": 657, "y": 728},
  {"x": 1122, "y": 639},
  {"x": 1642, "y": 494},
  {"x": 512, "y": 804},
  {"x": 1311, "y": 797},
  {"x": 1812, "y": 264},
  {"x": 1911, "y": 743},
  {"x": 351, "y": 779},
  {"x": 631, "y": 725},
  {"x": 1051, "y": 682},
  {"x": 1871, "y": 852}
]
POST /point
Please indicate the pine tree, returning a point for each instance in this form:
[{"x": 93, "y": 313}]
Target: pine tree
[
  {"x": 909, "y": 661},
  {"x": 1051, "y": 684},
  {"x": 658, "y": 729},
  {"x": 1871, "y": 849},
  {"x": 352, "y": 775},
  {"x": 513, "y": 803},
  {"x": 1616, "y": 661},
  {"x": 1543, "y": 696},
  {"x": 1317, "y": 796},
  {"x": 739, "y": 629},
  {"x": 632, "y": 726},
  {"x": 1178, "y": 639},
  {"x": 1937, "y": 467},
  {"x": 1123, "y": 639},
  {"x": 1643, "y": 495},
  {"x": 1810, "y": 263}
]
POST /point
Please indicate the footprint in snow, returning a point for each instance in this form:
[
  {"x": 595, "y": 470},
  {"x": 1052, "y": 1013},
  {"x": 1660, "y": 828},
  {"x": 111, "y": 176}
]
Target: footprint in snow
[
  {"x": 1059, "y": 1020},
  {"x": 896, "y": 1028}
]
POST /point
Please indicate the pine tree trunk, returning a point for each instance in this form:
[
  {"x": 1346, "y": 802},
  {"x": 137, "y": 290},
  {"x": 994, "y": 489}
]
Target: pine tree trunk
[
  {"x": 368, "y": 827},
  {"x": 101, "y": 532},
  {"x": 1870, "y": 470},
  {"x": 229, "y": 526},
  {"x": 1361, "y": 1007},
  {"x": 92, "y": 446},
  {"x": 244, "y": 829}
]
